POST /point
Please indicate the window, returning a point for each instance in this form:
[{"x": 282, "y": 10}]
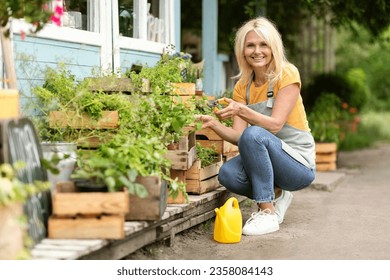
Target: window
[
  {"x": 80, "y": 14},
  {"x": 144, "y": 19},
  {"x": 123, "y": 31}
]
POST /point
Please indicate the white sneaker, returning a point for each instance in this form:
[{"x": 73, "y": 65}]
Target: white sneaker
[
  {"x": 261, "y": 222},
  {"x": 281, "y": 205}
]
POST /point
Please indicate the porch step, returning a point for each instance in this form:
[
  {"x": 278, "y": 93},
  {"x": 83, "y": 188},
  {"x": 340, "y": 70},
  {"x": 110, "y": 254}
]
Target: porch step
[{"x": 327, "y": 180}]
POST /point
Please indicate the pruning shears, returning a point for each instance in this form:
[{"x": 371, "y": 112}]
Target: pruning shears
[{"x": 218, "y": 104}]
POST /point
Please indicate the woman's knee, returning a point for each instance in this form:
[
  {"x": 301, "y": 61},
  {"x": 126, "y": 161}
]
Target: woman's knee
[
  {"x": 251, "y": 134},
  {"x": 224, "y": 174}
]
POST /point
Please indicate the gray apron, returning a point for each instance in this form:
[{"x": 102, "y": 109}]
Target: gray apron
[{"x": 297, "y": 143}]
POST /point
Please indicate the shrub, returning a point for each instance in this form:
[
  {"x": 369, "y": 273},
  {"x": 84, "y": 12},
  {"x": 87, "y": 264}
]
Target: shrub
[
  {"x": 324, "y": 118},
  {"x": 327, "y": 83}
]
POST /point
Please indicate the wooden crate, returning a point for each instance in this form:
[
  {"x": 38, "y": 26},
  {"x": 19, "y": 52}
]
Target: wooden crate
[
  {"x": 201, "y": 180},
  {"x": 68, "y": 202},
  {"x": 9, "y": 103},
  {"x": 185, "y": 155},
  {"x": 183, "y": 88},
  {"x": 92, "y": 215},
  {"x": 11, "y": 231},
  {"x": 60, "y": 119},
  {"x": 181, "y": 176},
  {"x": 87, "y": 227},
  {"x": 209, "y": 139},
  {"x": 110, "y": 84},
  {"x": 152, "y": 207},
  {"x": 326, "y": 156}
]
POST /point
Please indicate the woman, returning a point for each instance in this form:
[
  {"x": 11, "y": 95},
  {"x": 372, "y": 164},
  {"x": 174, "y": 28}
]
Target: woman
[{"x": 276, "y": 151}]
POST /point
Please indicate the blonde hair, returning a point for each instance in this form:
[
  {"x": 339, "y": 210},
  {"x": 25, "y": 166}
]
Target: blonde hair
[{"x": 268, "y": 31}]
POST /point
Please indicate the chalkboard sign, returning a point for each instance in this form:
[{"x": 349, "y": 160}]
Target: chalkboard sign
[{"x": 20, "y": 143}]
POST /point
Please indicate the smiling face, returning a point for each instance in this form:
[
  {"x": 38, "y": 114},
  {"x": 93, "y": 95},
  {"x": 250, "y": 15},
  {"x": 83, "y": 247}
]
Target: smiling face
[{"x": 256, "y": 51}]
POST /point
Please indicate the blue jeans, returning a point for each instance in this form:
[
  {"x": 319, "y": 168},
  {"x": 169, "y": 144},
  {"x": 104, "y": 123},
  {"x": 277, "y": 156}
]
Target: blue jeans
[{"x": 261, "y": 165}]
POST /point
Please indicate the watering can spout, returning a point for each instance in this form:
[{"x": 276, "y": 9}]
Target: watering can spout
[{"x": 228, "y": 222}]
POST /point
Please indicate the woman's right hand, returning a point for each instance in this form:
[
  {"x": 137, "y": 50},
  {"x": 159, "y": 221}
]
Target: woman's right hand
[{"x": 207, "y": 121}]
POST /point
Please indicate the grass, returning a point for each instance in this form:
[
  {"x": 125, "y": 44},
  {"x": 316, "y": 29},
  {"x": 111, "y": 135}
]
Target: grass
[{"x": 374, "y": 127}]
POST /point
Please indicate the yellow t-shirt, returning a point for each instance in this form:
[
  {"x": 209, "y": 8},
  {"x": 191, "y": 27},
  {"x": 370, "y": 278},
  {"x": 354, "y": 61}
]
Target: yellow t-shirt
[{"x": 290, "y": 75}]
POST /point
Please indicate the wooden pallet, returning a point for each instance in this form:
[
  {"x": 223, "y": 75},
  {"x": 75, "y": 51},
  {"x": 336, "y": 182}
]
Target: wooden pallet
[{"x": 138, "y": 234}]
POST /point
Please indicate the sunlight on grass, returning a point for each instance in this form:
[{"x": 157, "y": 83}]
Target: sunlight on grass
[
  {"x": 378, "y": 122},
  {"x": 374, "y": 127}
]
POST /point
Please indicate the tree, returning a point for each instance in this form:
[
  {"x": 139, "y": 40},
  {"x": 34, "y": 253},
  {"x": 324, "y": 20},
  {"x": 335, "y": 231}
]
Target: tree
[{"x": 371, "y": 14}]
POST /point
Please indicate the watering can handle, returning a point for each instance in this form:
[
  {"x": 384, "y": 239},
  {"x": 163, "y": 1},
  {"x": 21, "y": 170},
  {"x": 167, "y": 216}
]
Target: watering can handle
[{"x": 235, "y": 202}]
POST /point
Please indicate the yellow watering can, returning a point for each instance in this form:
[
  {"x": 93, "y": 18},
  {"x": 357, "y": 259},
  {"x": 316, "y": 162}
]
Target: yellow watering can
[{"x": 228, "y": 222}]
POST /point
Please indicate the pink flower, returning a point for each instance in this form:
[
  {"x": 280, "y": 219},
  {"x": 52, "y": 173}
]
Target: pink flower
[
  {"x": 56, "y": 20},
  {"x": 58, "y": 13},
  {"x": 22, "y": 34},
  {"x": 59, "y": 10}
]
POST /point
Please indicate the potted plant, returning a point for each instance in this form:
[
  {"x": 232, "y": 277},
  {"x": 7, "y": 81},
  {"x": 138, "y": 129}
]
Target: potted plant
[
  {"x": 14, "y": 241},
  {"x": 325, "y": 128}
]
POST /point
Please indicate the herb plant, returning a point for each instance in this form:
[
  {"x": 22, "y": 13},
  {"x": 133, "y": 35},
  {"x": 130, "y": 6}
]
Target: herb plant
[{"x": 206, "y": 155}]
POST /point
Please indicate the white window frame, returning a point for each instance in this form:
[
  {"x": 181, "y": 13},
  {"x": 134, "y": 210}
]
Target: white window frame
[{"x": 108, "y": 38}]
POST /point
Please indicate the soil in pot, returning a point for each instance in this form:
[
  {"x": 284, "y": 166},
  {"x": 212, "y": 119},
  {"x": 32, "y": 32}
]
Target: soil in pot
[{"x": 84, "y": 185}]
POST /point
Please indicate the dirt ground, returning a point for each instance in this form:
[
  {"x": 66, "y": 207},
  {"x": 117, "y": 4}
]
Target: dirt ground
[{"x": 318, "y": 225}]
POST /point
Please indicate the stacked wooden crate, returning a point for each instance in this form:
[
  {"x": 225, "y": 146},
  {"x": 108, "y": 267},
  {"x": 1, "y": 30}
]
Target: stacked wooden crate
[
  {"x": 200, "y": 179},
  {"x": 183, "y": 92},
  {"x": 208, "y": 138},
  {"x": 61, "y": 119},
  {"x": 87, "y": 215},
  {"x": 182, "y": 160},
  {"x": 205, "y": 179},
  {"x": 326, "y": 156}
]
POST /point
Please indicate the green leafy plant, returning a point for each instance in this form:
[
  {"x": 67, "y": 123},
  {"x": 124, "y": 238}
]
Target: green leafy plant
[
  {"x": 173, "y": 67},
  {"x": 12, "y": 189},
  {"x": 14, "y": 192},
  {"x": 206, "y": 155},
  {"x": 99, "y": 170},
  {"x": 324, "y": 118},
  {"x": 62, "y": 92}
]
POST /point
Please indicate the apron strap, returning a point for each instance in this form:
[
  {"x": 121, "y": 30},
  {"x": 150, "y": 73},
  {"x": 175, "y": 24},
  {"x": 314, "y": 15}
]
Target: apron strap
[{"x": 270, "y": 93}]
